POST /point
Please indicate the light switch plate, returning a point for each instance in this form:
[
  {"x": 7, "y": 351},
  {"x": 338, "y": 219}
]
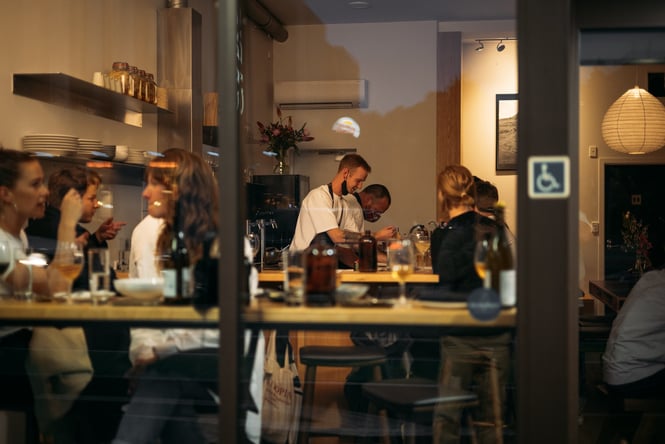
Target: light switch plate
[{"x": 593, "y": 151}]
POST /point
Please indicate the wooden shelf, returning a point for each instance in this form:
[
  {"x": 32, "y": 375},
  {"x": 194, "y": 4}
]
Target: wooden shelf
[
  {"x": 117, "y": 173},
  {"x": 70, "y": 92}
]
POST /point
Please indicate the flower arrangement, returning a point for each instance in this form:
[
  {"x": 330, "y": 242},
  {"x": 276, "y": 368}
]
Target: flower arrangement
[
  {"x": 280, "y": 136},
  {"x": 635, "y": 237}
]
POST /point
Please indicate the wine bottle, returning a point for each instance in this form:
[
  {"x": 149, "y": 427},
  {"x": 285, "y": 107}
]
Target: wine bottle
[
  {"x": 500, "y": 264},
  {"x": 367, "y": 252},
  {"x": 176, "y": 267}
]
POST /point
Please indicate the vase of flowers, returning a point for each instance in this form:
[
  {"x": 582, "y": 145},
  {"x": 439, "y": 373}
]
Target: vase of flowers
[
  {"x": 280, "y": 137},
  {"x": 636, "y": 238}
]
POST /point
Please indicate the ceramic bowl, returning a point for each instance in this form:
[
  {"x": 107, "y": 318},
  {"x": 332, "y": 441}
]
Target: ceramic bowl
[{"x": 147, "y": 289}]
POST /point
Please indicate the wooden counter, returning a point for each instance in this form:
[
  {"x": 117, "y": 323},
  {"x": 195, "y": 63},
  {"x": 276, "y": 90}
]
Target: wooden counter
[
  {"x": 350, "y": 276},
  {"x": 260, "y": 314}
]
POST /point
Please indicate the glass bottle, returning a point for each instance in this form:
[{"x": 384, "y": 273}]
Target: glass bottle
[
  {"x": 367, "y": 253},
  {"x": 120, "y": 73},
  {"x": 176, "y": 271},
  {"x": 500, "y": 264},
  {"x": 320, "y": 273}
]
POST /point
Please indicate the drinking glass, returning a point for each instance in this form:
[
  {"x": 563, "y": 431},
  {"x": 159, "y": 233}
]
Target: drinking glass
[
  {"x": 401, "y": 260},
  {"x": 480, "y": 259},
  {"x": 68, "y": 261},
  {"x": 99, "y": 273},
  {"x": 6, "y": 256},
  {"x": 105, "y": 202},
  {"x": 421, "y": 240},
  {"x": 254, "y": 243}
]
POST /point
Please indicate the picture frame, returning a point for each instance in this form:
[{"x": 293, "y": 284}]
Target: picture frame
[{"x": 506, "y": 132}]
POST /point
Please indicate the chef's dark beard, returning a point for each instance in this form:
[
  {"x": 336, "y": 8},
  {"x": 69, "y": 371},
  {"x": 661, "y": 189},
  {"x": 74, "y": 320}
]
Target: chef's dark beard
[{"x": 345, "y": 189}]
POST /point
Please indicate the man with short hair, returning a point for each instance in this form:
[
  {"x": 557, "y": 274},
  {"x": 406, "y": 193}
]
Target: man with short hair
[
  {"x": 369, "y": 204},
  {"x": 324, "y": 209}
]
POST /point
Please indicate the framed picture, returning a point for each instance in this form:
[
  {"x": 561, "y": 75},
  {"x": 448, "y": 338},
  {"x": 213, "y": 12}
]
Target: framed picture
[{"x": 506, "y": 132}]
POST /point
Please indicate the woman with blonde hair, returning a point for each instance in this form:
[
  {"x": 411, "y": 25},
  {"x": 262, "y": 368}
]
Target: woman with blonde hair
[{"x": 453, "y": 242}]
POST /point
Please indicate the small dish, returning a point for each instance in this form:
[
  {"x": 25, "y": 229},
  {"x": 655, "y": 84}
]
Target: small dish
[
  {"x": 349, "y": 292},
  {"x": 145, "y": 289}
]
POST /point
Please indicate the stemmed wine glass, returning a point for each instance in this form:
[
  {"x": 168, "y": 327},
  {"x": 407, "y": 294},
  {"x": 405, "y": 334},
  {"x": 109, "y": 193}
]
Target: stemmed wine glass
[
  {"x": 254, "y": 243},
  {"x": 421, "y": 240},
  {"x": 401, "y": 260},
  {"x": 480, "y": 260},
  {"x": 68, "y": 260}
]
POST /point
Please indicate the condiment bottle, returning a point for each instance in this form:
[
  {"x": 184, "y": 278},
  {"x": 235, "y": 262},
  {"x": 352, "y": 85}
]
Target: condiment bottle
[
  {"x": 320, "y": 273},
  {"x": 151, "y": 89},
  {"x": 142, "y": 92},
  {"x": 367, "y": 252},
  {"x": 500, "y": 264}
]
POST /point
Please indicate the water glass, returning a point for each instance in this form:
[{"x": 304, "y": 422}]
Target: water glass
[
  {"x": 294, "y": 277},
  {"x": 6, "y": 256},
  {"x": 99, "y": 273}
]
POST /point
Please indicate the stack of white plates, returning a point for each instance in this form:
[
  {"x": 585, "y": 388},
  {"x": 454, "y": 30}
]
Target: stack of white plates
[
  {"x": 51, "y": 145},
  {"x": 93, "y": 149},
  {"x": 135, "y": 156}
]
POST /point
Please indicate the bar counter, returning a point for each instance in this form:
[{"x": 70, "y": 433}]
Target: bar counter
[
  {"x": 260, "y": 314},
  {"x": 350, "y": 276}
]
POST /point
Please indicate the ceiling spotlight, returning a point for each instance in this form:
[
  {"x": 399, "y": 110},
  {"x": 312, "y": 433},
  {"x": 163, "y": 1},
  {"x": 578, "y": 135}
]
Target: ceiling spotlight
[
  {"x": 481, "y": 46},
  {"x": 500, "y": 46}
]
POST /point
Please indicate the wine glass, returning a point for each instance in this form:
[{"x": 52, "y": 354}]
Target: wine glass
[
  {"x": 421, "y": 240},
  {"x": 480, "y": 260},
  {"x": 68, "y": 261},
  {"x": 6, "y": 256},
  {"x": 401, "y": 260},
  {"x": 254, "y": 243}
]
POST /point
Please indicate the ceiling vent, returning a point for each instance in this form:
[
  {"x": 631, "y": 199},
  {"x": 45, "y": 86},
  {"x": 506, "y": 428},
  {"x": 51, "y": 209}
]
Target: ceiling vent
[{"x": 321, "y": 94}]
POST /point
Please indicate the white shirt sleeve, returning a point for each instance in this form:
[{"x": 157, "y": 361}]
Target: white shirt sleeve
[{"x": 319, "y": 212}]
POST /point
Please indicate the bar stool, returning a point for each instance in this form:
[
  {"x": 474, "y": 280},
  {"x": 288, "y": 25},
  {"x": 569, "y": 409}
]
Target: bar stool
[
  {"x": 332, "y": 356},
  {"x": 405, "y": 398}
]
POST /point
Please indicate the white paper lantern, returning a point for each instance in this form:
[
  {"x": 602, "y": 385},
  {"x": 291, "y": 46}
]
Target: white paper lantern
[{"x": 635, "y": 123}]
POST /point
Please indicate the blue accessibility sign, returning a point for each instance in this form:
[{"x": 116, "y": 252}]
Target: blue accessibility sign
[{"x": 549, "y": 177}]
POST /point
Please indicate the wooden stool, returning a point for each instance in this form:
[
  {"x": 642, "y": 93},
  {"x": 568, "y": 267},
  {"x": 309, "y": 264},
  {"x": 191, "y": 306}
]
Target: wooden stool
[
  {"x": 331, "y": 356},
  {"x": 404, "y": 398}
]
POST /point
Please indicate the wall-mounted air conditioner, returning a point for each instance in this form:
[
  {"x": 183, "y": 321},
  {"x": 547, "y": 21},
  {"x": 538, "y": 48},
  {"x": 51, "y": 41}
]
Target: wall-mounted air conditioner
[{"x": 321, "y": 94}]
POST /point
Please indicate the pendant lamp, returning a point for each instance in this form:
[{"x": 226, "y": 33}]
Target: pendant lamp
[{"x": 635, "y": 123}]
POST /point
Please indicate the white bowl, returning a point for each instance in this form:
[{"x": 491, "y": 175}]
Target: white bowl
[{"x": 147, "y": 289}]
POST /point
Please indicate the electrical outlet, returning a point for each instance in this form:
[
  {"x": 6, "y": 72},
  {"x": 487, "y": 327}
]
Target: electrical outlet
[
  {"x": 593, "y": 151},
  {"x": 595, "y": 227},
  {"x": 636, "y": 199}
]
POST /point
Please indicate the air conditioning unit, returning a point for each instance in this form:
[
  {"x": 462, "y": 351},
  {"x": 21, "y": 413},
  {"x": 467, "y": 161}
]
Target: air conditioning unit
[{"x": 321, "y": 94}]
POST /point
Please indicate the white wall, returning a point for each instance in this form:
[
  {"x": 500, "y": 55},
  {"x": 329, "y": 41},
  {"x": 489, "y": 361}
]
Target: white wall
[
  {"x": 484, "y": 75},
  {"x": 397, "y": 130}
]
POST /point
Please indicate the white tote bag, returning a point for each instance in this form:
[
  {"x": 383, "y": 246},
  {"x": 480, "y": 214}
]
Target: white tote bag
[{"x": 282, "y": 400}]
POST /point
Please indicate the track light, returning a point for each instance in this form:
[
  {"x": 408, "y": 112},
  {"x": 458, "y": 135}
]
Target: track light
[{"x": 500, "y": 46}]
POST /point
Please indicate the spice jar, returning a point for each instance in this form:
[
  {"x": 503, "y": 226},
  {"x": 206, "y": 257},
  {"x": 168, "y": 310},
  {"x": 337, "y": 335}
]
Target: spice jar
[
  {"x": 134, "y": 82},
  {"x": 320, "y": 273},
  {"x": 151, "y": 90},
  {"x": 120, "y": 73}
]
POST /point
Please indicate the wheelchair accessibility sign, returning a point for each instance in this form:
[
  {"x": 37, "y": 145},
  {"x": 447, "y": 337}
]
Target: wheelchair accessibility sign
[{"x": 549, "y": 177}]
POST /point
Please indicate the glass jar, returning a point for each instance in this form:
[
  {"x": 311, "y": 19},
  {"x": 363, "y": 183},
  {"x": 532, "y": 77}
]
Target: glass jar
[
  {"x": 134, "y": 82},
  {"x": 120, "y": 75},
  {"x": 151, "y": 89},
  {"x": 142, "y": 92}
]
